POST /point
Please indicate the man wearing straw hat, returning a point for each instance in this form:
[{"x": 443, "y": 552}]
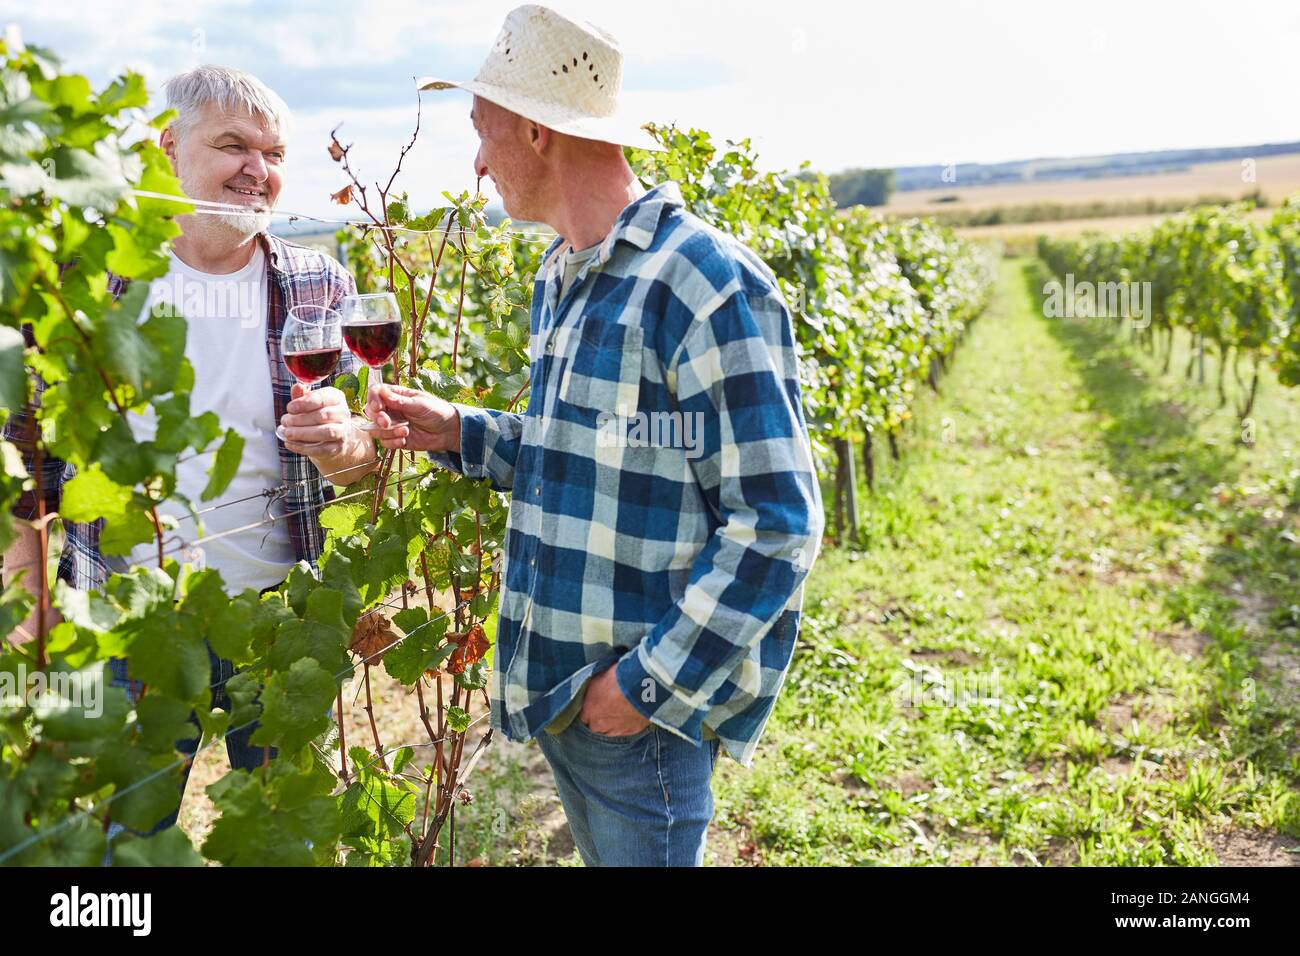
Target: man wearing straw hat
[{"x": 652, "y": 587}]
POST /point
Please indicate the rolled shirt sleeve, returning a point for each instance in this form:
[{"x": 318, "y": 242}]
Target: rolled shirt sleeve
[{"x": 489, "y": 446}]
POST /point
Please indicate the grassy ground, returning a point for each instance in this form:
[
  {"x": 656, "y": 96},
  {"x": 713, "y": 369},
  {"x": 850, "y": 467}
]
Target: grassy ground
[{"x": 1073, "y": 637}]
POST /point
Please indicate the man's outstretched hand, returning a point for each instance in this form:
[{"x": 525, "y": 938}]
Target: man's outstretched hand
[{"x": 410, "y": 418}]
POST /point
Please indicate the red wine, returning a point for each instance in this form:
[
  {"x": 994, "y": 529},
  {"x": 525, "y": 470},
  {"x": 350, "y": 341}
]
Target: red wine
[
  {"x": 373, "y": 342},
  {"x": 312, "y": 366}
]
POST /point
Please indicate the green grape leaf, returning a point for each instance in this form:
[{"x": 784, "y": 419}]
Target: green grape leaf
[
  {"x": 81, "y": 845},
  {"x": 78, "y": 704},
  {"x": 163, "y": 722},
  {"x": 231, "y": 634},
  {"x": 300, "y": 582},
  {"x": 15, "y": 604},
  {"x": 167, "y": 654},
  {"x": 457, "y": 719},
  {"x": 88, "y": 609},
  {"x": 243, "y": 690},
  {"x": 344, "y": 518},
  {"x": 123, "y": 532},
  {"x": 91, "y": 494},
  {"x": 403, "y": 757},
  {"x": 178, "y": 429},
  {"x": 171, "y": 847},
  {"x": 224, "y": 465},
  {"x": 140, "y": 593},
  {"x": 321, "y": 636},
  {"x": 147, "y": 785},
  {"x": 13, "y": 381},
  {"x": 349, "y": 385},
  {"x": 125, "y": 460},
  {"x": 423, "y": 649},
  {"x": 475, "y": 678},
  {"x": 294, "y": 705},
  {"x": 123, "y": 93},
  {"x": 87, "y": 178},
  {"x": 269, "y": 612},
  {"x": 254, "y": 830},
  {"x": 410, "y": 618},
  {"x": 336, "y": 576},
  {"x": 146, "y": 355}
]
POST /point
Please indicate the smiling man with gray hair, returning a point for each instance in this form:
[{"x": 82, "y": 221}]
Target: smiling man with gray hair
[{"x": 234, "y": 283}]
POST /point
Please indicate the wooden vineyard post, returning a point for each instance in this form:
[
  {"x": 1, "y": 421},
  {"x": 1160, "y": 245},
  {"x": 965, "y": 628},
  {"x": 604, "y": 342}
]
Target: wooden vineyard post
[{"x": 846, "y": 492}]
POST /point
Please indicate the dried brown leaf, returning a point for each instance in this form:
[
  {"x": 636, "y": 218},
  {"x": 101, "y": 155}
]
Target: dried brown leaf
[
  {"x": 372, "y": 636},
  {"x": 471, "y": 646}
]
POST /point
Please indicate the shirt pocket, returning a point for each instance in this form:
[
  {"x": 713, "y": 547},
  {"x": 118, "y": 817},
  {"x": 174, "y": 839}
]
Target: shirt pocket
[{"x": 604, "y": 371}]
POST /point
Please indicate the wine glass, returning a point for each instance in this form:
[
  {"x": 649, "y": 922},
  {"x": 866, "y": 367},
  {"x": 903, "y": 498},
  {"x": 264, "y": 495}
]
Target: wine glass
[
  {"x": 372, "y": 329},
  {"x": 311, "y": 344}
]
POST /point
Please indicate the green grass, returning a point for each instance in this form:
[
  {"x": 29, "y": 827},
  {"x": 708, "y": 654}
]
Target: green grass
[
  {"x": 1071, "y": 637},
  {"x": 504, "y": 824}
]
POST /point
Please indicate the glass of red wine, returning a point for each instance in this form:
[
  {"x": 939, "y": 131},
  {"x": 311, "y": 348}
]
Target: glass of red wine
[
  {"x": 311, "y": 344},
  {"x": 372, "y": 329}
]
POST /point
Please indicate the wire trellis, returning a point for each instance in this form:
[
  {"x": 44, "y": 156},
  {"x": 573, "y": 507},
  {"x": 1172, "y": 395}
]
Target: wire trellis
[{"x": 206, "y": 207}]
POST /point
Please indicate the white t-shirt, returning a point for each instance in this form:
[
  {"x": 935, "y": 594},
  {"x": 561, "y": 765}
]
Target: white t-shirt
[{"x": 226, "y": 344}]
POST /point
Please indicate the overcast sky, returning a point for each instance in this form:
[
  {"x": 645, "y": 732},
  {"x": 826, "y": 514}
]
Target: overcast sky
[{"x": 866, "y": 84}]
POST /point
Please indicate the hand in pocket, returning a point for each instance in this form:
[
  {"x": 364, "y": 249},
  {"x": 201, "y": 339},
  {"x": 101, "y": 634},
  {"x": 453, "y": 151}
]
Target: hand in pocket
[{"x": 606, "y": 711}]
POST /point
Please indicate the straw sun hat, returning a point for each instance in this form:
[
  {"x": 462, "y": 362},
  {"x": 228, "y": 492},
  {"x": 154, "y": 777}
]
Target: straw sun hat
[{"x": 557, "y": 72}]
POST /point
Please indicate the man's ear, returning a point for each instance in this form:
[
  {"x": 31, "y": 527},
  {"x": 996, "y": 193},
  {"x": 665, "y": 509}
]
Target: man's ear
[
  {"x": 167, "y": 141},
  {"x": 540, "y": 138}
]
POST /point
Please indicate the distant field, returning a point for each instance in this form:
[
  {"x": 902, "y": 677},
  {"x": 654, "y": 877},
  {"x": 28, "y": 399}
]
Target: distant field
[
  {"x": 1275, "y": 176},
  {"x": 1112, "y": 225}
]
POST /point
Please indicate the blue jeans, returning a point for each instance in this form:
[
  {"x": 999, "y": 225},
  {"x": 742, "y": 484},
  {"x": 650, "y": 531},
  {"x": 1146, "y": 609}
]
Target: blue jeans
[
  {"x": 243, "y": 755},
  {"x": 640, "y": 800}
]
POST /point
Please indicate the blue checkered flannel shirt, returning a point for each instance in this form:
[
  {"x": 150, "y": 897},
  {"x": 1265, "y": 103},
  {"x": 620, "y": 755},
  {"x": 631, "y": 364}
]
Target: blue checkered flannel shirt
[{"x": 664, "y": 506}]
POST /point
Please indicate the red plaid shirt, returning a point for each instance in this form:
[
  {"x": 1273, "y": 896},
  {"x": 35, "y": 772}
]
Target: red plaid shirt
[{"x": 296, "y": 275}]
